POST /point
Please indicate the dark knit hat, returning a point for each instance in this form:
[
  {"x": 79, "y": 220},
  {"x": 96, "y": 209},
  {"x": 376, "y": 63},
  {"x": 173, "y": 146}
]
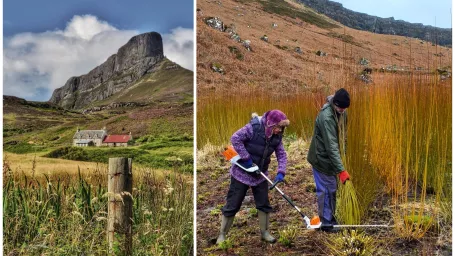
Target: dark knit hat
[{"x": 341, "y": 98}]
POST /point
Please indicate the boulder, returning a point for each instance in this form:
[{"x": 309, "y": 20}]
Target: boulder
[
  {"x": 216, "y": 67},
  {"x": 364, "y": 61},
  {"x": 216, "y": 23},
  {"x": 246, "y": 44},
  {"x": 321, "y": 53}
]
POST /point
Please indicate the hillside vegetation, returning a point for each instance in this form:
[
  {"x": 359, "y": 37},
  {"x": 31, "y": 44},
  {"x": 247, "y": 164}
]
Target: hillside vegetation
[{"x": 300, "y": 53}]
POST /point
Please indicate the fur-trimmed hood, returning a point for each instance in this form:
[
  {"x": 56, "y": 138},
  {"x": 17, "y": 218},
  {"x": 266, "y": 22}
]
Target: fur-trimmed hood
[{"x": 271, "y": 119}]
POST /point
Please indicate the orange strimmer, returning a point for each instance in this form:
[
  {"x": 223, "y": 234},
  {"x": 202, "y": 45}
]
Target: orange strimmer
[{"x": 231, "y": 155}]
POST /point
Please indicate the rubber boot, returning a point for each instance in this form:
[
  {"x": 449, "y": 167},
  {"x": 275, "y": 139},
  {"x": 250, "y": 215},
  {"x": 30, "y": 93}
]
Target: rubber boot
[
  {"x": 226, "y": 223},
  {"x": 264, "y": 225}
]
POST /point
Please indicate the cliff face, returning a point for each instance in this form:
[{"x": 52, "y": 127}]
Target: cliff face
[
  {"x": 361, "y": 21},
  {"x": 139, "y": 56}
]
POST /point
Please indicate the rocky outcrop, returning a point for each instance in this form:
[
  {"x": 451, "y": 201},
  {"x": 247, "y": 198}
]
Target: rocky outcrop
[
  {"x": 112, "y": 106},
  {"x": 362, "y": 21},
  {"x": 139, "y": 56}
]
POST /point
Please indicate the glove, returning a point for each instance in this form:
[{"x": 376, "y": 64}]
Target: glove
[
  {"x": 247, "y": 163},
  {"x": 279, "y": 177},
  {"x": 344, "y": 176}
]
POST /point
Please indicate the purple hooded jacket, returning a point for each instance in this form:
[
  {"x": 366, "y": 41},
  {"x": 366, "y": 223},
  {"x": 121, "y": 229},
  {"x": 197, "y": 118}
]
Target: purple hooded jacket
[{"x": 238, "y": 138}]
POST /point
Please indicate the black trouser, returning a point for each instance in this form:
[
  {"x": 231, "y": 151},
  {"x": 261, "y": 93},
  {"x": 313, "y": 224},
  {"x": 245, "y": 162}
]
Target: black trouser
[{"x": 237, "y": 192}]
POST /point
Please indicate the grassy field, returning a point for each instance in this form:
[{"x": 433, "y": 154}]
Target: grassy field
[
  {"x": 42, "y": 202},
  {"x": 162, "y": 133}
]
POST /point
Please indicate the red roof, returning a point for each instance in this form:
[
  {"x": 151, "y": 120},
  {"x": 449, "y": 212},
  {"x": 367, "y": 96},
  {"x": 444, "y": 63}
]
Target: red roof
[{"x": 117, "y": 138}]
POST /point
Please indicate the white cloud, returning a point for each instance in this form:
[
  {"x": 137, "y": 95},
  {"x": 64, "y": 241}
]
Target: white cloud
[
  {"x": 178, "y": 47},
  {"x": 34, "y": 64},
  {"x": 86, "y": 27}
]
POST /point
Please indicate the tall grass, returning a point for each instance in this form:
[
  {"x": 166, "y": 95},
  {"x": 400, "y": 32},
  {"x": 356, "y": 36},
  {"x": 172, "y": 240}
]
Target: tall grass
[
  {"x": 410, "y": 145},
  {"x": 67, "y": 214},
  {"x": 399, "y": 136},
  {"x": 220, "y": 114}
]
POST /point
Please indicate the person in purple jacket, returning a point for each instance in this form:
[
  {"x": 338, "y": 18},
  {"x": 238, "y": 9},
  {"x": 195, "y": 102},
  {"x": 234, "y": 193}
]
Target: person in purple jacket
[{"x": 255, "y": 143}]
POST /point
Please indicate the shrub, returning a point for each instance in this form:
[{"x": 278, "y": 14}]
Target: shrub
[
  {"x": 225, "y": 245},
  {"x": 350, "y": 242},
  {"x": 287, "y": 236},
  {"x": 69, "y": 153}
]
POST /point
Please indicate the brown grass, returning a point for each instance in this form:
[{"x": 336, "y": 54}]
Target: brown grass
[
  {"x": 270, "y": 67},
  {"x": 24, "y": 163}
]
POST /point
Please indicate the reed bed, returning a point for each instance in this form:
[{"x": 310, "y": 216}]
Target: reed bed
[
  {"x": 63, "y": 214},
  {"x": 410, "y": 146},
  {"x": 221, "y": 113},
  {"x": 399, "y": 137}
]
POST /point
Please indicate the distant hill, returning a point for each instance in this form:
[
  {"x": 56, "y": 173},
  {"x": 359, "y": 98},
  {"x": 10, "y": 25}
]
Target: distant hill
[
  {"x": 390, "y": 26},
  {"x": 137, "y": 72}
]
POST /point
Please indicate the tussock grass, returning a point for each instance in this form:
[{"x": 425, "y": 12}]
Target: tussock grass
[
  {"x": 287, "y": 236},
  {"x": 40, "y": 209},
  {"x": 350, "y": 243}
]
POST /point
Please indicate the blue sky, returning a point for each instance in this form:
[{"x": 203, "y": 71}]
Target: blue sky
[
  {"x": 433, "y": 13},
  {"x": 48, "y": 41}
]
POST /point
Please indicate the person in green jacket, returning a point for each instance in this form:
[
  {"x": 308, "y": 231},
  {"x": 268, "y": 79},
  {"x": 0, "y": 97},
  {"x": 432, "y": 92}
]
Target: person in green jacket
[{"x": 325, "y": 157}]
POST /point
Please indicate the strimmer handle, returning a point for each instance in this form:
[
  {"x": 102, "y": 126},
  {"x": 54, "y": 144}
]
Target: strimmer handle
[{"x": 274, "y": 184}]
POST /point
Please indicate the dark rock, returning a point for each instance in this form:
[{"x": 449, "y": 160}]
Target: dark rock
[
  {"x": 363, "y": 21},
  {"x": 246, "y": 44},
  {"x": 139, "y": 56},
  {"x": 364, "y": 62},
  {"x": 366, "y": 78},
  {"x": 298, "y": 50},
  {"x": 321, "y": 53},
  {"x": 265, "y": 38},
  {"x": 367, "y": 71},
  {"x": 216, "y": 23},
  {"x": 216, "y": 67},
  {"x": 235, "y": 37}
]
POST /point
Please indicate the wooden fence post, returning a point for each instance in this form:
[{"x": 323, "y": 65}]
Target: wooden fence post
[{"x": 120, "y": 205}]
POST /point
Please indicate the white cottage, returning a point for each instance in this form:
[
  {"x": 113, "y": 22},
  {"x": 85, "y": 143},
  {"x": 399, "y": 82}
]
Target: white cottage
[{"x": 87, "y": 138}]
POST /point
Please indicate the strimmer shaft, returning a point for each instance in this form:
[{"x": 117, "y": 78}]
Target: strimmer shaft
[
  {"x": 307, "y": 220},
  {"x": 362, "y": 226}
]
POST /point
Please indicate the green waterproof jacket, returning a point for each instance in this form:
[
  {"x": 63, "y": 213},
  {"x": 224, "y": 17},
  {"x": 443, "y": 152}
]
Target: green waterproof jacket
[{"x": 324, "y": 154}]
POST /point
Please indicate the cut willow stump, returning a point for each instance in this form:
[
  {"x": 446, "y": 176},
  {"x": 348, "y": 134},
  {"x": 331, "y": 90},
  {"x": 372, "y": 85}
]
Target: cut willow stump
[{"x": 120, "y": 205}]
